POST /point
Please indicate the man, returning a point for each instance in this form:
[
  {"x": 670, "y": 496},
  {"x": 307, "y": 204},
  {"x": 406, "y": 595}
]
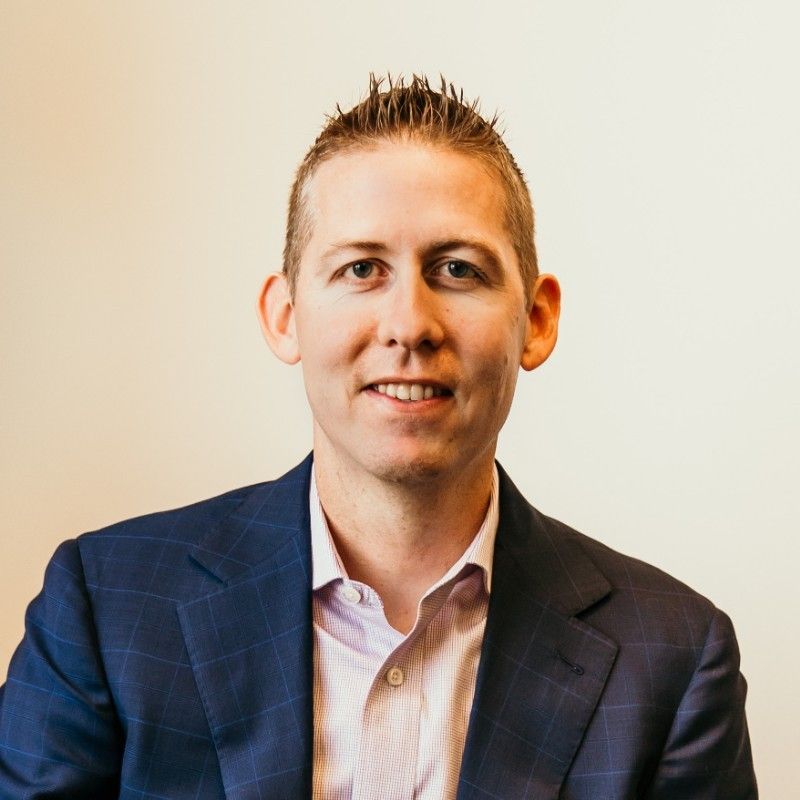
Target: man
[{"x": 390, "y": 619}]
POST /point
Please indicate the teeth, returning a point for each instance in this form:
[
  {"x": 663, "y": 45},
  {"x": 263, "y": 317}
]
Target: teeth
[{"x": 410, "y": 392}]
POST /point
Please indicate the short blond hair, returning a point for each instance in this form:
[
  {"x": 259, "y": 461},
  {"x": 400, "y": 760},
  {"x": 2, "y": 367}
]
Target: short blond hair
[{"x": 414, "y": 112}]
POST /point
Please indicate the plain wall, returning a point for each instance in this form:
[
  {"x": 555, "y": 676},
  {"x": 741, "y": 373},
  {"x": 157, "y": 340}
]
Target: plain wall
[{"x": 146, "y": 152}]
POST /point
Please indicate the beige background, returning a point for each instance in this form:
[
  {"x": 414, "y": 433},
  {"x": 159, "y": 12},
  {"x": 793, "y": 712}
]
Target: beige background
[{"x": 146, "y": 151}]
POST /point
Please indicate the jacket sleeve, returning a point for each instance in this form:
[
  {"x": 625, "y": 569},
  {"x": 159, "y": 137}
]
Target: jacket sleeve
[
  {"x": 59, "y": 734},
  {"x": 707, "y": 754}
]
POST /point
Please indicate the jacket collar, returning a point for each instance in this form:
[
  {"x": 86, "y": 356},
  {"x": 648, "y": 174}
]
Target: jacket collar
[
  {"x": 546, "y": 556},
  {"x": 542, "y": 669},
  {"x": 272, "y": 516}
]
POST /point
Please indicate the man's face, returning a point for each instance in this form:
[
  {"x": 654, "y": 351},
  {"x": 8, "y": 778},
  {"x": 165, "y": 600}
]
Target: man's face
[{"x": 409, "y": 314}]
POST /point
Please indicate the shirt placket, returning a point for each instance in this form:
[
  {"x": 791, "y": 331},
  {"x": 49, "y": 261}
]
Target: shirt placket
[
  {"x": 388, "y": 751},
  {"x": 388, "y": 757}
]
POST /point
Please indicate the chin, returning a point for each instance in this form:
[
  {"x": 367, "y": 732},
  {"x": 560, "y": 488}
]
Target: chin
[{"x": 413, "y": 469}]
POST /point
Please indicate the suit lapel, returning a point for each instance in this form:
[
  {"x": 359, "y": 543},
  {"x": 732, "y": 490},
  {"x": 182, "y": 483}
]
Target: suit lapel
[
  {"x": 251, "y": 642},
  {"x": 542, "y": 670}
]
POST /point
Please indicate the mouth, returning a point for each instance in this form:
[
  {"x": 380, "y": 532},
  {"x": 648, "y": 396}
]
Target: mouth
[{"x": 410, "y": 392}]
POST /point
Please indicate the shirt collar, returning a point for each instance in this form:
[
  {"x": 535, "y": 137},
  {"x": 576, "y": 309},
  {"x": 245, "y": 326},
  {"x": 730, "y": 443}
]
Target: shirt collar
[{"x": 328, "y": 567}]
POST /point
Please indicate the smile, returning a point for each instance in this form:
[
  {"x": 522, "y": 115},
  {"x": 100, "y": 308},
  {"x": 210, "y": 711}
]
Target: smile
[{"x": 409, "y": 392}]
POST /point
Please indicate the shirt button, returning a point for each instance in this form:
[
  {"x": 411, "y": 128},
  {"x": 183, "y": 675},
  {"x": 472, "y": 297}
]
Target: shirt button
[
  {"x": 395, "y": 677},
  {"x": 351, "y": 594}
]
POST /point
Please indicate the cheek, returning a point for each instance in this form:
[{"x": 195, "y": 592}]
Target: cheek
[
  {"x": 494, "y": 390},
  {"x": 327, "y": 340},
  {"x": 498, "y": 352},
  {"x": 330, "y": 346},
  {"x": 498, "y": 357}
]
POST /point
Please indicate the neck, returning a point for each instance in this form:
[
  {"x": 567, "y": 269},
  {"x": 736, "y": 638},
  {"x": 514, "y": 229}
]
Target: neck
[{"x": 400, "y": 536}]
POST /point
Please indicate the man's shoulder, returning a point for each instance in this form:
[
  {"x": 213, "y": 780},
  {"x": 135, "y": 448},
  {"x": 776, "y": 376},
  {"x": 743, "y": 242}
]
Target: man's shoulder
[
  {"x": 154, "y": 548},
  {"x": 182, "y": 524},
  {"x": 582, "y": 561},
  {"x": 642, "y": 597},
  {"x": 623, "y": 571}
]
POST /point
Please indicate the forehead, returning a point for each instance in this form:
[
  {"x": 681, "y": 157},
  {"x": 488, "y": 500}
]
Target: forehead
[{"x": 407, "y": 190}]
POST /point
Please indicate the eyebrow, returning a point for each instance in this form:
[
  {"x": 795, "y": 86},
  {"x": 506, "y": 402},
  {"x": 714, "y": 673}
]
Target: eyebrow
[{"x": 359, "y": 244}]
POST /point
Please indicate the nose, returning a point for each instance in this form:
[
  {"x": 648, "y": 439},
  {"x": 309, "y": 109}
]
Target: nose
[{"x": 410, "y": 317}]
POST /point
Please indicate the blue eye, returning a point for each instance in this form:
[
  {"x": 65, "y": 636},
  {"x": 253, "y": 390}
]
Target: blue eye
[
  {"x": 459, "y": 269},
  {"x": 362, "y": 269}
]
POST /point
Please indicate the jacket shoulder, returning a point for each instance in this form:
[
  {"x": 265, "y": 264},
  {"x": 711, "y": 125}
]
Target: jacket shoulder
[
  {"x": 150, "y": 553},
  {"x": 622, "y": 570},
  {"x": 641, "y": 594},
  {"x": 183, "y": 523}
]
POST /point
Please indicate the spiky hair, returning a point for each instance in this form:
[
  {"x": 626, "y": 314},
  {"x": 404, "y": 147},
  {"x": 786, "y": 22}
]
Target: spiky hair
[{"x": 412, "y": 109}]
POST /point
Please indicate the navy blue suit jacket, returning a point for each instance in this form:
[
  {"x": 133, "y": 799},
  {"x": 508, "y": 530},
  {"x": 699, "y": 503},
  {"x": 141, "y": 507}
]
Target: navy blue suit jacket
[{"x": 170, "y": 656}]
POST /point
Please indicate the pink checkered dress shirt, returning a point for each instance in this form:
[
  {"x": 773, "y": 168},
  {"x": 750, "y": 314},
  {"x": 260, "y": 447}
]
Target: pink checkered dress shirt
[{"x": 391, "y": 711}]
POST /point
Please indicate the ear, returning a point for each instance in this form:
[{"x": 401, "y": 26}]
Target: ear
[
  {"x": 543, "y": 315},
  {"x": 276, "y": 315}
]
